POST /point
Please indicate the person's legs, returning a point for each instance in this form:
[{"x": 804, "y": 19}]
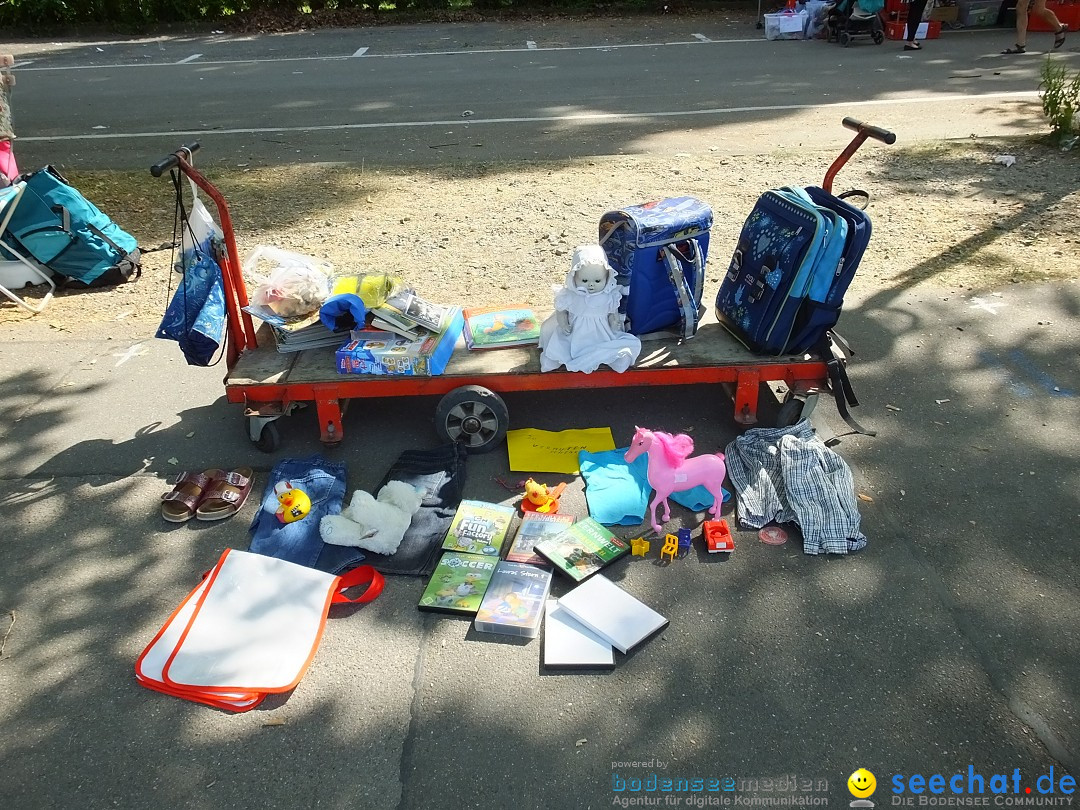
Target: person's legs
[
  {"x": 915, "y": 17},
  {"x": 1022, "y": 8},
  {"x": 1050, "y": 18}
]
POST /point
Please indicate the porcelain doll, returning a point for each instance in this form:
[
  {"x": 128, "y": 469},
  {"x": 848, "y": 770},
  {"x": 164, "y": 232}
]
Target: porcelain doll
[{"x": 586, "y": 329}]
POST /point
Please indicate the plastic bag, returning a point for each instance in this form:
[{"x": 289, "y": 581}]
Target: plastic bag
[
  {"x": 195, "y": 317},
  {"x": 296, "y": 285}
]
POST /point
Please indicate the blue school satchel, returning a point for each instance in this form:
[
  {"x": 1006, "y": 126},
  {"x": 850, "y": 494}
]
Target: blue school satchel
[
  {"x": 658, "y": 251},
  {"x": 790, "y": 250},
  {"x": 67, "y": 233}
]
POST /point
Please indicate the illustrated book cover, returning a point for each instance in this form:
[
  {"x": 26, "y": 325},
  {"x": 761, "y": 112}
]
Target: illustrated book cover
[
  {"x": 612, "y": 613},
  {"x": 458, "y": 583},
  {"x": 479, "y": 527},
  {"x": 568, "y": 644},
  {"x": 535, "y": 525},
  {"x": 514, "y": 602},
  {"x": 497, "y": 327},
  {"x": 582, "y": 549}
]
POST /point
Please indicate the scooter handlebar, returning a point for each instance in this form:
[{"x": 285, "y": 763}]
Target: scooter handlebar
[
  {"x": 871, "y": 131},
  {"x": 171, "y": 161}
]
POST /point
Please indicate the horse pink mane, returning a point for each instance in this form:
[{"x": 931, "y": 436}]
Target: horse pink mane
[{"x": 676, "y": 448}]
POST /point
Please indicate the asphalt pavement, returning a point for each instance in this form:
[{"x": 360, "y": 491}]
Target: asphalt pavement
[{"x": 950, "y": 645}]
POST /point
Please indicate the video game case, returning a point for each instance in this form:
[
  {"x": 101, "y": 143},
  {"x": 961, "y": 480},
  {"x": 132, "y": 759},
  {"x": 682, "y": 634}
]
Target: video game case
[
  {"x": 533, "y": 527},
  {"x": 514, "y": 602},
  {"x": 458, "y": 584},
  {"x": 479, "y": 527},
  {"x": 583, "y": 549}
]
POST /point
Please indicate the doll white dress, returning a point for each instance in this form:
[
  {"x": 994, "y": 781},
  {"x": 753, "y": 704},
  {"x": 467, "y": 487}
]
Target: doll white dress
[{"x": 591, "y": 342}]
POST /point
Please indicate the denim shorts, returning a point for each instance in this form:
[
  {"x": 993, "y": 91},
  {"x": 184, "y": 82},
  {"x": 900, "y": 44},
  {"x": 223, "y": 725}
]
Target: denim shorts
[{"x": 299, "y": 542}]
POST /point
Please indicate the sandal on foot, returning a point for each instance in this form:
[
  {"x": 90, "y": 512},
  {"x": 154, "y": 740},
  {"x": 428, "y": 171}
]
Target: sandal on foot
[
  {"x": 912, "y": 46},
  {"x": 1059, "y": 37},
  {"x": 226, "y": 494},
  {"x": 1016, "y": 49},
  {"x": 179, "y": 504}
]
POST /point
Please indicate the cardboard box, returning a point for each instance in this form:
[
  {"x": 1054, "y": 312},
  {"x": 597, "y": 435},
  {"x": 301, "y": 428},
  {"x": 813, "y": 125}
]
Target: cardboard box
[
  {"x": 398, "y": 356},
  {"x": 945, "y": 14}
]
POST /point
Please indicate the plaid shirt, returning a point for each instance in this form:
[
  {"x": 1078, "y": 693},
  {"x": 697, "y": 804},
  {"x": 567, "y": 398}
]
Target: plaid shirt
[{"x": 789, "y": 475}]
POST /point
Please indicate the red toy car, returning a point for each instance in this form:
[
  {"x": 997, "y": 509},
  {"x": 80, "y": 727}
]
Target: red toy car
[{"x": 718, "y": 536}]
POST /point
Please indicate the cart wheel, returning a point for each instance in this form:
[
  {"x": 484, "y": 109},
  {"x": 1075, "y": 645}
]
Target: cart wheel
[
  {"x": 845, "y": 38},
  {"x": 790, "y": 413},
  {"x": 879, "y": 37},
  {"x": 270, "y": 438},
  {"x": 473, "y": 416}
]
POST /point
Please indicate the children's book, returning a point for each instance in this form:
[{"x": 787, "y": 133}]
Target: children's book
[
  {"x": 612, "y": 613},
  {"x": 458, "y": 583},
  {"x": 583, "y": 549},
  {"x": 407, "y": 309},
  {"x": 535, "y": 525},
  {"x": 496, "y": 327},
  {"x": 514, "y": 601},
  {"x": 479, "y": 527},
  {"x": 568, "y": 644}
]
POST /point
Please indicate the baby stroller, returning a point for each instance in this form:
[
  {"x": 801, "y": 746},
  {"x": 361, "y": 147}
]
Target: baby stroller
[{"x": 849, "y": 19}]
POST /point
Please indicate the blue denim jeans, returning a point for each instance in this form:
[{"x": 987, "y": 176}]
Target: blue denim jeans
[{"x": 299, "y": 542}]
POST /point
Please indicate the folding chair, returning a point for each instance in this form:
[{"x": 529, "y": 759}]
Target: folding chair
[{"x": 9, "y": 201}]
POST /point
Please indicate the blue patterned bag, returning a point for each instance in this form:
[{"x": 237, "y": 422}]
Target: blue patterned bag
[{"x": 195, "y": 317}]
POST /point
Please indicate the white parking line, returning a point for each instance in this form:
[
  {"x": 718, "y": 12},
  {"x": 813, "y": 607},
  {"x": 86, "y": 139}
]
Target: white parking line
[
  {"x": 542, "y": 119},
  {"x": 24, "y": 64},
  {"x": 360, "y": 51},
  {"x": 413, "y": 55},
  {"x": 191, "y": 58}
]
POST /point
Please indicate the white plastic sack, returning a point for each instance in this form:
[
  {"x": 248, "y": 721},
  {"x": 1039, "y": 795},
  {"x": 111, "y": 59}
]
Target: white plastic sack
[{"x": 289, "y": 284}]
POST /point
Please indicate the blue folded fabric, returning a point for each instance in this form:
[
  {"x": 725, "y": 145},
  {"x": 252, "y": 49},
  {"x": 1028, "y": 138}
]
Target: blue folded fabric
[
  {"x": 617, "y": 493},
  {"x": 343, "y": 311}
]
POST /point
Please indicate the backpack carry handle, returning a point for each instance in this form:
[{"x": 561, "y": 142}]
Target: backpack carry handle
[{"x": 171, "y": 162}]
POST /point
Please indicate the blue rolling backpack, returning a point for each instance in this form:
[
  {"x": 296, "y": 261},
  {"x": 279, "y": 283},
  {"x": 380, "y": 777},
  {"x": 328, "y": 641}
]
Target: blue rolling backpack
[
  {"x": 784, "y": 289},
  {"x": 658, "y": 251}
]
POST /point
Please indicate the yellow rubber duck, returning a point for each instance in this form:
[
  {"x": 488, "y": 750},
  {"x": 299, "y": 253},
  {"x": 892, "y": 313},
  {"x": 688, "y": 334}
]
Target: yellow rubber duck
[{"x": 293, "y": 504}]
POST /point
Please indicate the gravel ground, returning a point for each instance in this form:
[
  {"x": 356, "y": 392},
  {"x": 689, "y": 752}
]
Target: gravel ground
[{"x": 944, "y": 214}]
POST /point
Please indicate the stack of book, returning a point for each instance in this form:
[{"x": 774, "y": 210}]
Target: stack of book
[{"x": 407, "y": 314}]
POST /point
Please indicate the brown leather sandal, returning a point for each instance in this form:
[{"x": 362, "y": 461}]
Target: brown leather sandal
[
  {"x": 226, "y": 494},
  {"x": 180, "y": 504}
]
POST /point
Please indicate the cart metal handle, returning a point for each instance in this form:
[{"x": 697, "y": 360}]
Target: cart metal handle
[
  {"x": 172, "y": 161},
  {"x": 877, "y": 133},
  {"x": 862, "y": 132}
]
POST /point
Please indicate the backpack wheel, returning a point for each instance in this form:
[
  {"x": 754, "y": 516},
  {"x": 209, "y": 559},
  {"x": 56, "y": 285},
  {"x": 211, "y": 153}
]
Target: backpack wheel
[{"x": 472, "y": 416}]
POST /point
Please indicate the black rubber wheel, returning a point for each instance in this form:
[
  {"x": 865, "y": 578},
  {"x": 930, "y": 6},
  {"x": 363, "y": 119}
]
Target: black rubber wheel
[
  {"x": 472, "y": 416},
  {"x": 270, "y": 438},
  {"x": 879, "y": 37},
  {"x": 790, "y": 413},
  {"x": 845, "y": 38}
]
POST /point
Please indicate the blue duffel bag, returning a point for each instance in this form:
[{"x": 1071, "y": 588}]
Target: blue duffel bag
[{"x": 67, "y": 233}]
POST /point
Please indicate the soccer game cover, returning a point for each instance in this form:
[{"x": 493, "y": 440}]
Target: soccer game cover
[
  {"x": 479, "y": 528},
  {"x": 458, "y": 583}
]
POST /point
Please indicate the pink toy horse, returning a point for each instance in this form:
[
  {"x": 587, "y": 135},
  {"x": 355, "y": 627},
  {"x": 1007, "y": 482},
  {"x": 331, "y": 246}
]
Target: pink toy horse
[{"x": 670, "y": 469}]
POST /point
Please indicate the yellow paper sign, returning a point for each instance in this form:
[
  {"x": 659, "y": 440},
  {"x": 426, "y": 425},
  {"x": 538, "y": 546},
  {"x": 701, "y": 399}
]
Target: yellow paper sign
[{"x": 533, "y": 450}]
